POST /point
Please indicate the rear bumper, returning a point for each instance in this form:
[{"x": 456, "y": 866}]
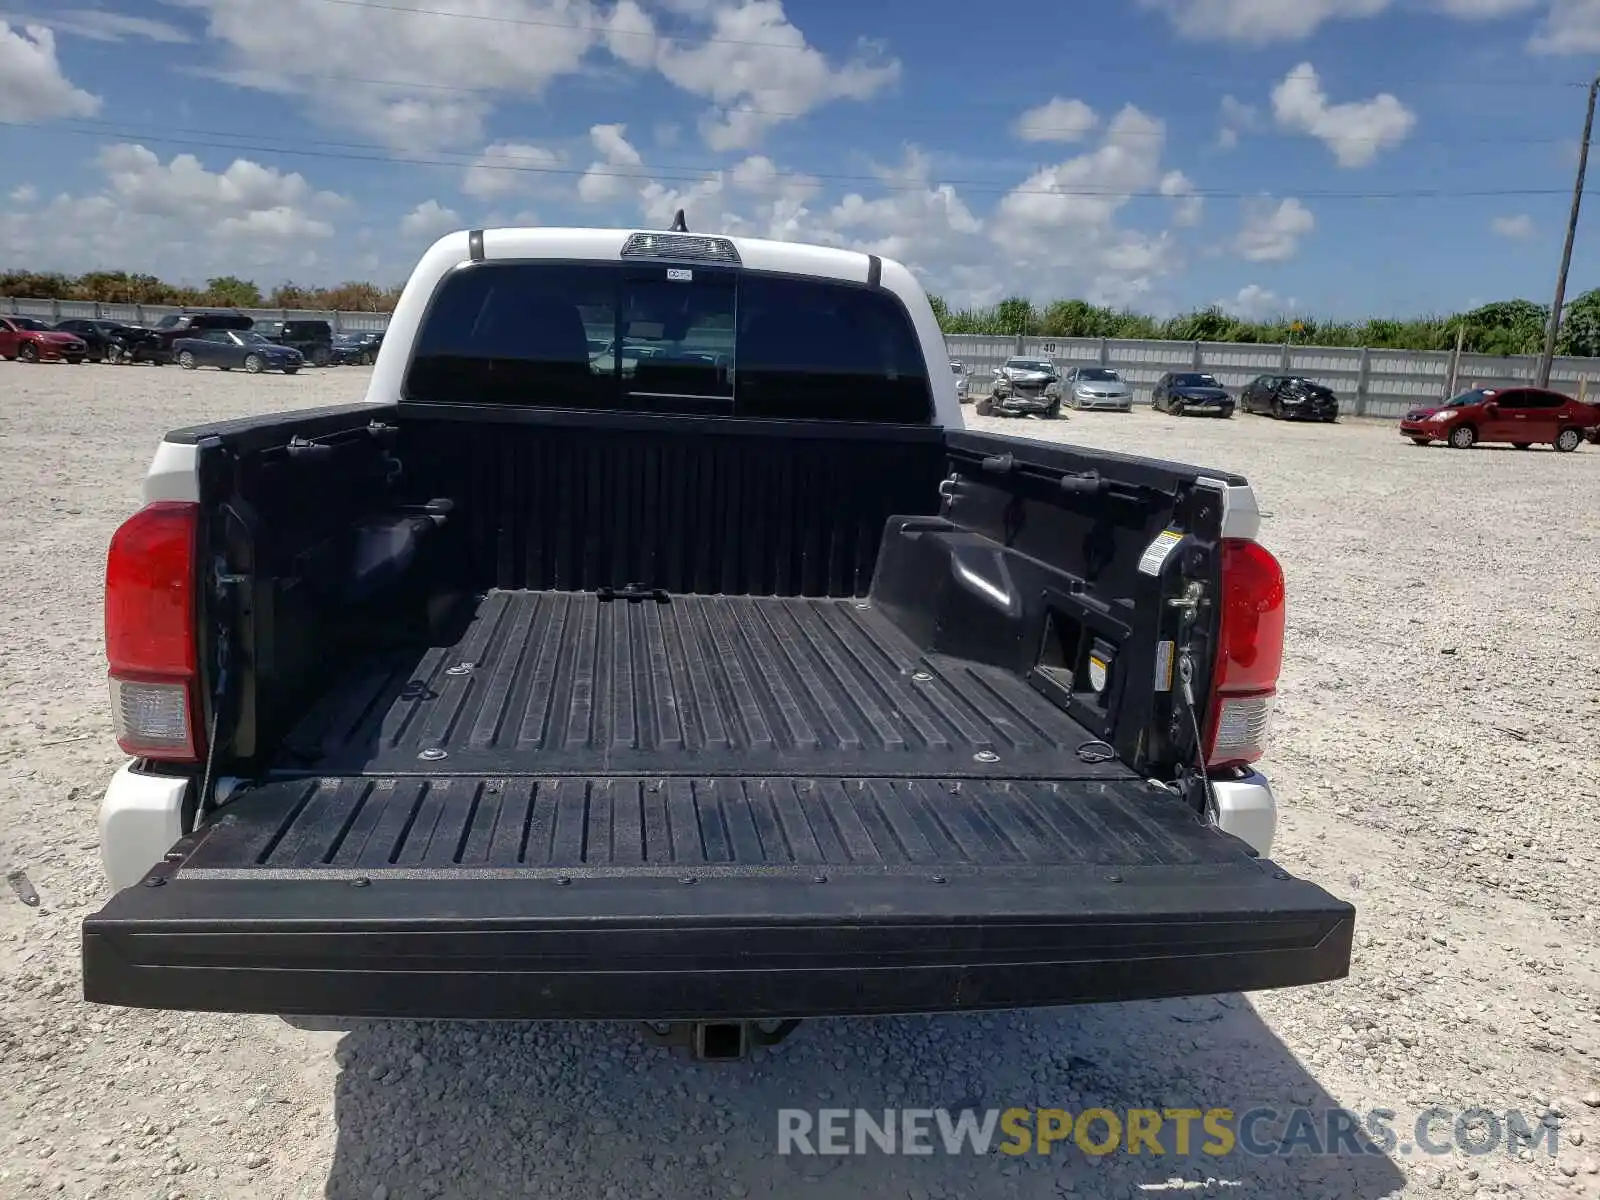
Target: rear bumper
[
  {"x": 1023, "y": 405},
  {"x": 1201, "y": 408},
  {"x": 652, "y": 948}
]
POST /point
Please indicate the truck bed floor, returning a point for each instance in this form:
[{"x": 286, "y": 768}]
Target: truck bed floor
[{"x": 558, "y": 683}]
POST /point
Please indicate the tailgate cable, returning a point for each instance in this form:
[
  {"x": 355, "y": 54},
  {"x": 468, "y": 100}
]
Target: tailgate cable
[
  {"x": 1186, "y": 679},
  {"x": 216, "y": 716},
  {"x": 224, "y": 580}
]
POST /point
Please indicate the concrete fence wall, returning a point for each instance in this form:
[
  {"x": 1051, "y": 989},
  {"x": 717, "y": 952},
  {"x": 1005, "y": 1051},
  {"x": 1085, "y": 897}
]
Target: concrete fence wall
[
  {"x": 149, "y": 314},
  {"x": 1377, "y": 383}
]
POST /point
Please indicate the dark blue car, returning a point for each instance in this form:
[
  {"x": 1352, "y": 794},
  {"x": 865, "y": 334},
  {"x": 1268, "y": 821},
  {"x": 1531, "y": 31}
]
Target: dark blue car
[{"x": 243, "y": 348}]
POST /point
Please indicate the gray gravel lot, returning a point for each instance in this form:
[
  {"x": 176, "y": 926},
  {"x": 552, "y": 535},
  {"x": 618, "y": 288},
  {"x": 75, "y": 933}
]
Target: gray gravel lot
[{"x": 1437, "y": 750}]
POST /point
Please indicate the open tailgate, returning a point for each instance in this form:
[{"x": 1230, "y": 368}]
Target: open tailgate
[{"x": 701, "y": 899}]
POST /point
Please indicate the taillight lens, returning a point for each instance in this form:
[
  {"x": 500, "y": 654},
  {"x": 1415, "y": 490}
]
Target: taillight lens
[
  {"x": 1249, "y": 655},
  {"x": 150, "y": 632}
]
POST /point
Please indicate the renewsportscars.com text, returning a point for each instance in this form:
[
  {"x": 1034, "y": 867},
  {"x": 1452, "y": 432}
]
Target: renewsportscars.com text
[{"x": 1214, "y": 1132}]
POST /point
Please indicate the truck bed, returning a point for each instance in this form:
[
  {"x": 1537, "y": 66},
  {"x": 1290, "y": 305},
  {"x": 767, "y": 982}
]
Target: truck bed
[
  {"x": 563, "y": 683},
  {"x": 709, "y": 807}
]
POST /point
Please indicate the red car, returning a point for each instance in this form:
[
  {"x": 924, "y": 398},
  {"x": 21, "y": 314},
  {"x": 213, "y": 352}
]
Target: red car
[
  {"x": 1522, "y": 417},
  {"x": 34, "y": 341}
]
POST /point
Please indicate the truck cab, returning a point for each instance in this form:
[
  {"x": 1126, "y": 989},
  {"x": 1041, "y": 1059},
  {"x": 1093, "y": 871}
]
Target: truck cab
[{"x": 741, "y": 682}]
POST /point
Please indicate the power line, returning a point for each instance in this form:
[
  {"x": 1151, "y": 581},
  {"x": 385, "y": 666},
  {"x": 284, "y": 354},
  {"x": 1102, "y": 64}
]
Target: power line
[
  {"x": 694, "y": 169},
  {"x": 791, "y": 114},
  {"x": 696, "y": 174},
  {"x": 804, "y": 46}
]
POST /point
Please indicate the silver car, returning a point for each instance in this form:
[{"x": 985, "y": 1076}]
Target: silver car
[
  {"x": 963, "y": 381},
  {"x": 1023, "y": 385},
  {"x": 1097, "y": 387}
]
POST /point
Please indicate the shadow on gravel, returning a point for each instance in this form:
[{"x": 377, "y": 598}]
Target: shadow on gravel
[{"x": 595, "y": 1110}]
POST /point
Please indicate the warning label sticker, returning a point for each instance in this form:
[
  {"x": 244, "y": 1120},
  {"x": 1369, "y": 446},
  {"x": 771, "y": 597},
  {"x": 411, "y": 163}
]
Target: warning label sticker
[{"x": 1155, "y": 555}]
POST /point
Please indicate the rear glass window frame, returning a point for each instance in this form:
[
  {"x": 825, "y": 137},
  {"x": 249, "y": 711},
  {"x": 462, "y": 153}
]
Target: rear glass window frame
[{"x": 618, "y": 398}]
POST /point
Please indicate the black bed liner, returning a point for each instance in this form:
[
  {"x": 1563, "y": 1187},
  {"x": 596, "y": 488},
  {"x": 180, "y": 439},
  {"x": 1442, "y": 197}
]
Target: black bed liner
[
  {"x": 555, "y": 683},
  {"x": 484, "y": 827},
  {"x": 710, "y": 808}
]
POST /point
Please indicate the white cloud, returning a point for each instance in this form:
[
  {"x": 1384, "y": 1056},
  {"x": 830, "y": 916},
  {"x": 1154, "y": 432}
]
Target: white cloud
[
  {"x": 429, "y": 220},
  {"x": 612, "y": 142},
  {"x": 505, "y": 168},
  {"x": 755, "y": 174},
  {"x": 1060, "y": 227},
  {"x": 1254, "y": 303},
  {"x": 1258, "y": 22},
  {"x": 1518, "y": 228},
  {"x": 283, "y": 223},
  {"x": 138, "y": 180},
  {"x": 178, "y": 219},
  {"x": 1057, "y": 121},
  {"x": 1570, "y": 27},
  {"x": 303, "y": 49},
  {"x": 32, "y": 87},
  {"x": 1272, "y": 232},
  {"x": 606, "y": 178},
  {"x": 745, "y": 56},
  {"x": 630, "y": 34},
  {"x": 1355, "y": 132},
  {"x": 24, "y": 194},
  {"x": 760, "y": 71},
  {"x": 1482, "y": 10},
  {"x": 99, "y": 25},
  {"x": 1188, "y": 207},
  {"x": 1237, "y": 118},
  {"x": 1087, "y": 190},
  {"x": 913, "y": 222}
]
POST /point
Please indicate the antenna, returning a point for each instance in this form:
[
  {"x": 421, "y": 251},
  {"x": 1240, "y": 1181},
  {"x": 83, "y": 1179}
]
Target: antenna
[{"x": 679, "y": 225}]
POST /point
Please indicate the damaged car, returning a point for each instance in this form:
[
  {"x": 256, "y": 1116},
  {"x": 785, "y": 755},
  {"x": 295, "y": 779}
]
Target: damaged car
[{"x": 1023, "y": 385}]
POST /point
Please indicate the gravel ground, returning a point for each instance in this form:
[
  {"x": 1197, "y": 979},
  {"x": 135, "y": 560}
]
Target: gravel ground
[{"x": 1435, "y": 750}]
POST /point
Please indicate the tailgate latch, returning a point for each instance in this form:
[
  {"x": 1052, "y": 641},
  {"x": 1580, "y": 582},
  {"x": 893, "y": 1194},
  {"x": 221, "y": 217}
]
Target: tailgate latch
[{"x": 1189, "y": 602}]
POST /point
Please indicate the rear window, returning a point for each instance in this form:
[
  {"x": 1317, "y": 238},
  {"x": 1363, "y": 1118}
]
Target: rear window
[{"x": 654, "y": 338}]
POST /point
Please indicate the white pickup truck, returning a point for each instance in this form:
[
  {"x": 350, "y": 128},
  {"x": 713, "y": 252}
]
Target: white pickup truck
[{"x": 722, "y": 679}]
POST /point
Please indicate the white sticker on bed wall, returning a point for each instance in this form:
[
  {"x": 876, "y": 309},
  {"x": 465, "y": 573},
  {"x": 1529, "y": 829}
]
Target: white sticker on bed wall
[{"x": 1155, "y": 555}]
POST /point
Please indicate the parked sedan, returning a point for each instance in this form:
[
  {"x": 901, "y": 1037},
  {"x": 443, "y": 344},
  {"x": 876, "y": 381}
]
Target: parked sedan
[
  {"x": 1097, "y": 387},
  {"x": 1190, "y": 392},
  {"x": 229, "y": 348},
  {"x": 33, "y": 341},
  {"x": 1522, "y": 417},
  {"x": 1289, "y": 397},
  {"x": 356, "y": 349},
  {"x": 112, "y": 341}
]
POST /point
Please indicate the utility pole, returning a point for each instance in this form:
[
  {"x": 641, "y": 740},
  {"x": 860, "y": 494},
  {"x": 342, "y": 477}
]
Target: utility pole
[
  {"x": 1543, "y": 379},
  {"x": 1455, "y": 362}
]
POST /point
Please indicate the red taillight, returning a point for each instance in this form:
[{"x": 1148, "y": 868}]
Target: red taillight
[
  {"x": 150, "y": 632},
  {"x": 1249, "y": 655}
]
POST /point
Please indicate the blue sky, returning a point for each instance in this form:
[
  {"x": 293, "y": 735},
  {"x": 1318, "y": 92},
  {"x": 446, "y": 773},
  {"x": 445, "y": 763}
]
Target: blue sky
[{"x": 1265, "y": 154}]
